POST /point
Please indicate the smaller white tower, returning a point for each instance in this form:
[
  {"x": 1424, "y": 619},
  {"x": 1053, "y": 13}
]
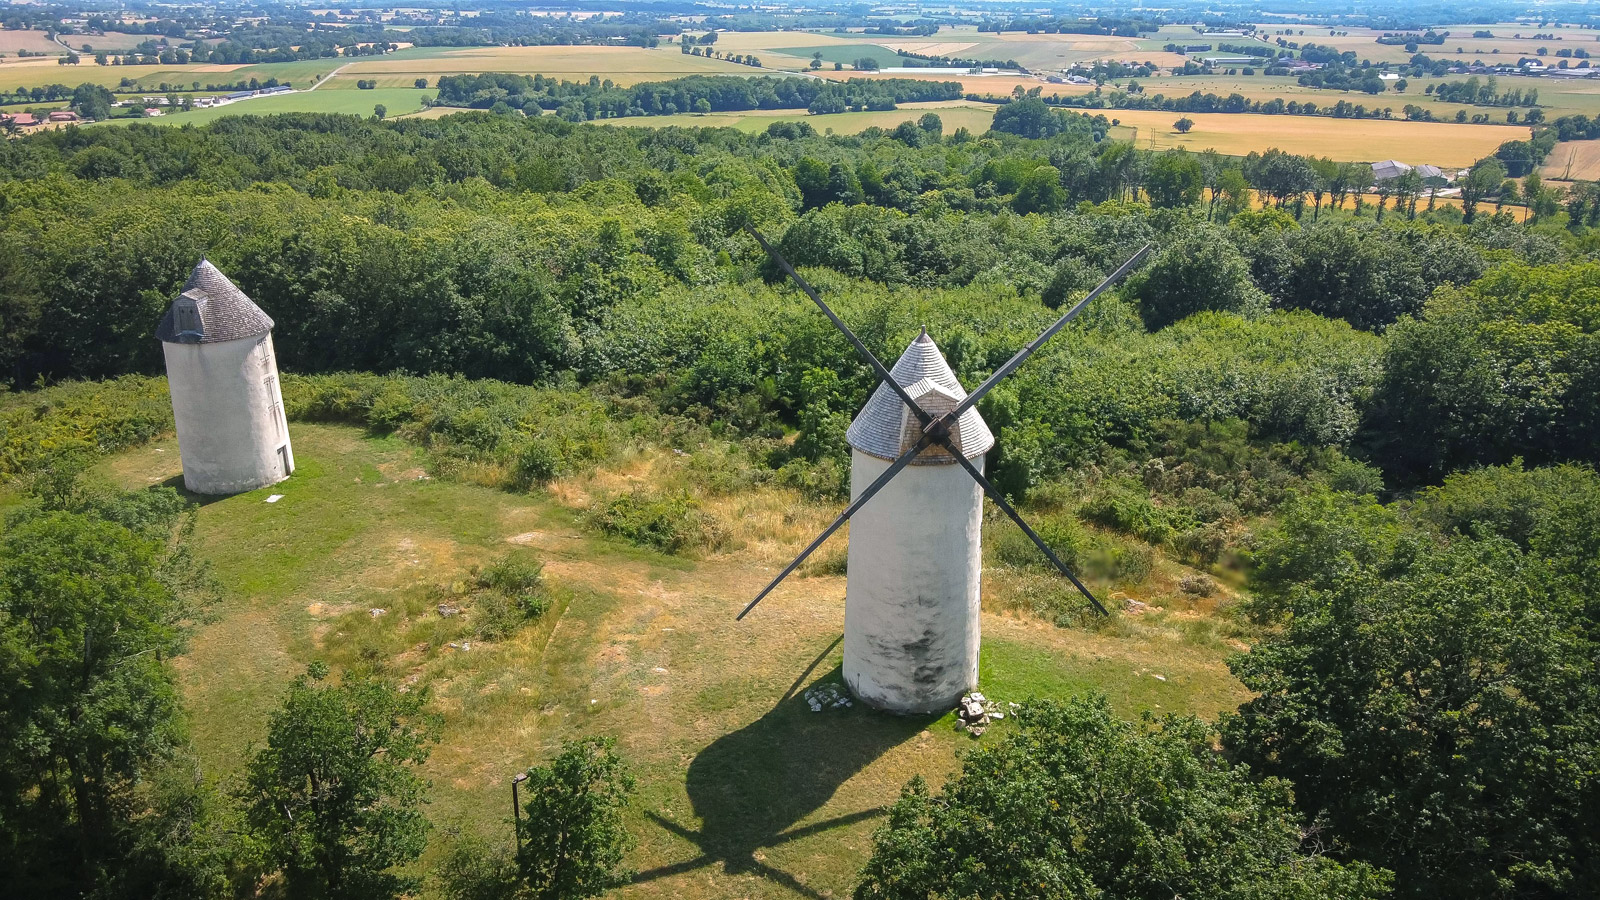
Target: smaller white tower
[
  {"x": 223, "y": 376},
  {"x": 911, "y": 617}
]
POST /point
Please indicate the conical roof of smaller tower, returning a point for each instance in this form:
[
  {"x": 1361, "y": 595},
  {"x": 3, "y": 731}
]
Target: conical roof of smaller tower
[
  {"x": 886, "y": 429},
  {"x": 209, "y": 309}
]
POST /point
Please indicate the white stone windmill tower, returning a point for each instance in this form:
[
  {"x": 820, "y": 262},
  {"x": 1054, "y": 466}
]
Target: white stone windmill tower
[
  {"x": 223, "y": 376},
  {"x": 911, "y": 622}
]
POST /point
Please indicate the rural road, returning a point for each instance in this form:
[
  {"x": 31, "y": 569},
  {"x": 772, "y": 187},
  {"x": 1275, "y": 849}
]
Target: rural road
[{"x": 319, "y": 83}]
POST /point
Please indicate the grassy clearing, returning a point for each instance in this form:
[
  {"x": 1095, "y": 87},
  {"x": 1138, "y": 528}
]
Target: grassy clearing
[
  {"x": 1364, "y": 140},
  {"x": 743, "y": 791}
]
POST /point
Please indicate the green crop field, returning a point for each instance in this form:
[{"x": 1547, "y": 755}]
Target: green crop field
[
  {"x": 734, "y": 769},
  {"x": 623, "y": 65},
  {"x": 398, "y": 101}
]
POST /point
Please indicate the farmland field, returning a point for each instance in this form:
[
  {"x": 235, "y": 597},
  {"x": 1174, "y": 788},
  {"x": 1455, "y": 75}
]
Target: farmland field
[
  {"x": 111, "y": 40},
  {"x": 623, "y": 65},
  {"x": 743, "y": 790},
  {"x": 398, "y": 101},
  {"x": 1573, "y": 161},
  {"x": 13, "y": 39},
  {"x": 1357, "y": 140}
]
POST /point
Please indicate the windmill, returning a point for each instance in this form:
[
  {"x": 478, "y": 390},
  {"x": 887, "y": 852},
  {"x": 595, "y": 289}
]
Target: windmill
[{"x": 911, "y": 596}]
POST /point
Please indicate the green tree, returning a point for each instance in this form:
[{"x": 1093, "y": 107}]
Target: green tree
[
  {"x": 572, "y": 834},
  {"x": 92, "y": 101},
  {"x": 97, "y": 594},
  {"x": 380, "y": 111},
  {"x": 1184, "y": 125},
  {"x": 1174, "y": 179},
  {"x": 1483, "y": 180},
  {"x": 1201, "y": 270},
  {"x": 334, "y": 795},
  {"x": 1502, "y": 368},
  {"x": 1030, "y": 117},
  {"x": 1040, "y": 192},
  {"x": 1078, "y": 803},
  {"x": 420, "y": 84},
  {"x": 1234, "y": 191},
  {"x": 1431, "y": 701}
]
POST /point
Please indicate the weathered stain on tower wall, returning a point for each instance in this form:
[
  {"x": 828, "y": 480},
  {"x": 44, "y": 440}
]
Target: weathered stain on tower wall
[
  {"x": 222, "y": 373},
  {"x": 911, "y": 620}
]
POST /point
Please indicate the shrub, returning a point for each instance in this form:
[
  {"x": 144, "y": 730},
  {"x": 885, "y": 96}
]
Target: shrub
[
  {"x": 511, "y": 593},
  {"x": 670, "y": 524},
  {"x": 1063, "y": 533},
  {"x": 1131, "y": 511}
]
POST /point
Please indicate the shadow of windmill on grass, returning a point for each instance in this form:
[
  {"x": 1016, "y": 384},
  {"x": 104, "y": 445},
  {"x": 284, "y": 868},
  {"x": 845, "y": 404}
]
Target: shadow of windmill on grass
[{"x": 749, "y": 788}]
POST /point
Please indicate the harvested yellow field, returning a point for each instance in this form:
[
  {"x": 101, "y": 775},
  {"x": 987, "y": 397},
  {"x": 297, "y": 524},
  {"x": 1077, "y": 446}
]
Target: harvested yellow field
[
  {"x": 1363, "y": 140},
  {"x": 623, "y": 65},
  {"x": 1573, "y": 161},
  {"x": 12, "y": 40}
]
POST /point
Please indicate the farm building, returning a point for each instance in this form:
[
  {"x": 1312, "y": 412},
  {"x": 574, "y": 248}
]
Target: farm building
[{"x": 1390, "y": 169}]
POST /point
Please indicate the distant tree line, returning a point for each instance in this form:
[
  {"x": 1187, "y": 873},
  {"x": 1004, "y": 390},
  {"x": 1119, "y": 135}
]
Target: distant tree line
[{"x": 701, "y": 93}]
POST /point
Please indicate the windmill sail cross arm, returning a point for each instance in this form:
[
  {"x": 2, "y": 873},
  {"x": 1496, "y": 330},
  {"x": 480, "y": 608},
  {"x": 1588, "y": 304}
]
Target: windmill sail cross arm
[{"x": 1022, "y": 355}]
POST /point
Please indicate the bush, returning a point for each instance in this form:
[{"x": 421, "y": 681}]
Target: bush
[
  {"x": 670, "y": 524},
  {"x": 1079, "y": 803},
  {"x": 1063, "y": 533},
  {"x": 80, "y": 417},
  {"x": 1131, "y": 511},
  {"x": 511, "y": 593}
]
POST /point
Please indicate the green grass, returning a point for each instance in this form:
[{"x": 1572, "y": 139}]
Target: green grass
[
  {"x": 398, "y": 100},
  {"x": 743, "y": 790}
]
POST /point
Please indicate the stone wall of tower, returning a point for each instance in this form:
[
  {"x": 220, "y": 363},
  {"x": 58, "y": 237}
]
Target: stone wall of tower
[
  {"x": 911, "y": 616},
  {"x": 232, "y": 433}
]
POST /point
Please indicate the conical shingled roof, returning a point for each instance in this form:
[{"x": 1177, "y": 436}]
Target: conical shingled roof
[
  {"x": 886, "y": 429},
  {"x": 224, "y": 312}
]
